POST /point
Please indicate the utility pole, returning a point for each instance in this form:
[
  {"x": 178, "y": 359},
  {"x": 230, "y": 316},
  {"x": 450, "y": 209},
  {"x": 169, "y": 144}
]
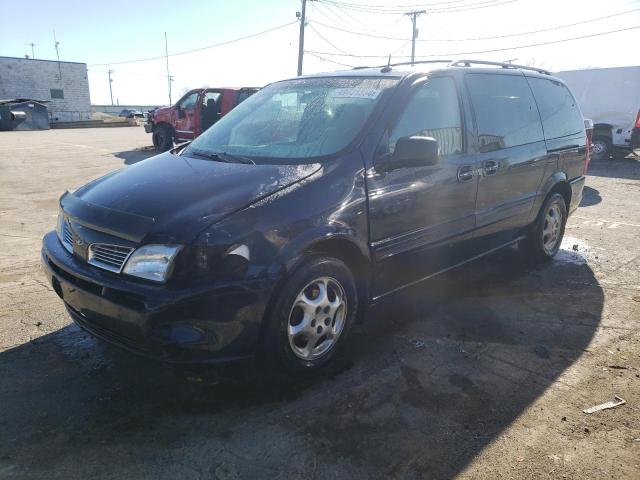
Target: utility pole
[
  {"x": 56, "y": 43},
  {"x": 303, "y": 18},
  {"x": 414, "y": 33},
  {"x": 169, "y": 77},
  {"x": 110, "y": 82},
  {"x": 33, "y": 55}
]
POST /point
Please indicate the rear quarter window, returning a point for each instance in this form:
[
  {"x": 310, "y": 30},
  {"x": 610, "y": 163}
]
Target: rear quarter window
[
  {"x": 505, "y": 111},
  {"x": 558, "y": 109}
]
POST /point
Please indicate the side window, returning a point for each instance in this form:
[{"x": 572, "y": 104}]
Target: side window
[
  {"x": 215, "y": 96},
  {"x": 243, "y": 94},
  {"x": 433, "y": 111},
  {"x": 189, "y": 101},
  {"x": 558, "y": 109},
  {"x": 506, "y": 113}
]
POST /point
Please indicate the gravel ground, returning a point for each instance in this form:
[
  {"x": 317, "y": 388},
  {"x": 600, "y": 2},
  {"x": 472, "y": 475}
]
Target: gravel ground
[{"x": 480, "y": 373}]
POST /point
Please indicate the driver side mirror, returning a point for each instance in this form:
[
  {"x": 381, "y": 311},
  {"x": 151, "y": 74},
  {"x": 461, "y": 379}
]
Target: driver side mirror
[
  {"x": 412, "y": 151},
  {"x": 180, "y": 112}
]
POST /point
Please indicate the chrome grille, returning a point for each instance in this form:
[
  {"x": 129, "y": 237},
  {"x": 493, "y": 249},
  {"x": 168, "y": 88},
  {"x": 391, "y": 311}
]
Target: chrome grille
[
  {"x": 108, "y": 257},
  {"x": 67, "y": 236}
]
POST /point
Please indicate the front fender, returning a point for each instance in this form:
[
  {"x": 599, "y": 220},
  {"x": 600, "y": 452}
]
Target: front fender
[{"x": 313, "y": 239}]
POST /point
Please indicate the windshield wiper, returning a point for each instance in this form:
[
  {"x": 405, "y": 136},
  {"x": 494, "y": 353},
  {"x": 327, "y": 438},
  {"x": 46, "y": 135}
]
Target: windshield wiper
[{"x": 222, "y": 157}]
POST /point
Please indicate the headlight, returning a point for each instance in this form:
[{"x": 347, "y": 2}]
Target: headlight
[
  {"x": 59, "y": 225},
  {"x": 152, "y": 262}
]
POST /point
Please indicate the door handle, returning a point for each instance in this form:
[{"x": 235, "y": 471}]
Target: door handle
[
  {"x": 465, "y": 173},
  {"x": 490, "y": 167}
]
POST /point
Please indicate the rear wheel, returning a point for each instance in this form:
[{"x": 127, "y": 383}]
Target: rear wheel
[
  {"x": 162, "y": 138},
  {"x": 602, "y": 148},
  {"x": 312, "y": 315},
  {"x": 545, "y": 236}
]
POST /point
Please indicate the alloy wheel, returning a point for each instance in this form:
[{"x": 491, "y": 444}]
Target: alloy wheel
[
  {"x": 317, "y": 318},
  {"x": 552, "y": 229}
]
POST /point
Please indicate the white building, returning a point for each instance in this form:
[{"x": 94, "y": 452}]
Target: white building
[{"x": 63, "y": 84}]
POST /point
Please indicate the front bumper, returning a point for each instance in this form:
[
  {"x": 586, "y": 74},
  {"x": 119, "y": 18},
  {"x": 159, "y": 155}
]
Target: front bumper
[
  {"x": 148, "y": 127},
  {"x": 211, "y": 323}
]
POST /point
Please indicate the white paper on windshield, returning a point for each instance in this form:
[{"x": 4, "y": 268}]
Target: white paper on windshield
[{"x": 369, "y": 93}]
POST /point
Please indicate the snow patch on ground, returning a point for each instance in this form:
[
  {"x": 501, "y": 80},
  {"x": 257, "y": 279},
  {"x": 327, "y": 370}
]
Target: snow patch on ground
[{"x": 576, "y": 251}]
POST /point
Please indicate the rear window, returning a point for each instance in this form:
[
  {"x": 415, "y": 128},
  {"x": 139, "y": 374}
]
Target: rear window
[
  {"x": 505, "y": 111},
  {"x": 558, "y": 109}
]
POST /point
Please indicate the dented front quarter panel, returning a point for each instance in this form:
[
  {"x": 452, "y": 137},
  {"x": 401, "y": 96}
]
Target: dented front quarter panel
[{"x": 329, "y": 204}]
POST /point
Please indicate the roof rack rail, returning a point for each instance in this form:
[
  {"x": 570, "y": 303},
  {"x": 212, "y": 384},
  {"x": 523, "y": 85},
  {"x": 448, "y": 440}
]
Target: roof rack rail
[
  {"x": 468, "y": 63},
  {"x": 404, "y": 63}
]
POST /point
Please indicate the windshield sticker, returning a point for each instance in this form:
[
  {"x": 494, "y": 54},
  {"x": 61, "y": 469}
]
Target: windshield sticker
[{"x": 370, "y": 93}]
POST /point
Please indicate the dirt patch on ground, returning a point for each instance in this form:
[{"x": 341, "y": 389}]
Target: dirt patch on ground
[{"x": 481, "y": 373}]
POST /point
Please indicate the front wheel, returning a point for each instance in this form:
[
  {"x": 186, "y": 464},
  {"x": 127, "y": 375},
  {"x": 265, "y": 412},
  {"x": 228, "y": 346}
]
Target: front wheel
[
  {"x": 162, "y": 138},
  {"x": 545, "y": 236},
  {"x": 312, "y": 314}
]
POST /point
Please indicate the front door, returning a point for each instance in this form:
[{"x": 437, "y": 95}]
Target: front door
[
  {"x": 422, "y": 217},
  {"x": 186, "y": 116}
]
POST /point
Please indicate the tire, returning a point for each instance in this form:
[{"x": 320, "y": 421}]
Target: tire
[
  {"x": 602, "y": 148},
  {"x": 545, "y": 236},
  {"x": 162, "y": 138},
  {"x": 303, "y": 314}
]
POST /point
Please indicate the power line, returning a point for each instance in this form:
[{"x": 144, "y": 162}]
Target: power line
[
  {"x": 327, "y": 60},
  {"x": 196, "y": 49},
  {"x": 326, "y": 40},
  {"x": 391, "y": 10},
  {"x": 489, "y": 51},
  {"x": 531, "y": 32},
  {"x": 447, "y": 2}
]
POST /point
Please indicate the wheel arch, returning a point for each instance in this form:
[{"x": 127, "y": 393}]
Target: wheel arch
[
  {"x": 163, "y": 123},
  {"x": 603, "y": 130},
  {"x": 331, "y": 241},
  {"x": 557, "y": 183}
]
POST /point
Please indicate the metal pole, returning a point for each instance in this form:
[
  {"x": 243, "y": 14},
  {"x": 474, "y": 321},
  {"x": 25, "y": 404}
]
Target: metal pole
[
  {"x": 33, "y": 55},
  {"x": 166, "y": 51},
  {"x": 303, "y": 15},
  {"x": 414, "y": 31},
  {"x": 56, "y": 43},
  {"x": 110, "y": 82}
]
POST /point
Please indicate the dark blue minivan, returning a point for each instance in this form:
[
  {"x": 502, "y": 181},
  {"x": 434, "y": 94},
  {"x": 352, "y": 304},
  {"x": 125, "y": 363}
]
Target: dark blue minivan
[{"x": 273, "y": 231}]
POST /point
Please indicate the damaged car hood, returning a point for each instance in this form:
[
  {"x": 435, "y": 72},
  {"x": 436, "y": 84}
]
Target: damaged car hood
[{"x": 175, "y": 197}]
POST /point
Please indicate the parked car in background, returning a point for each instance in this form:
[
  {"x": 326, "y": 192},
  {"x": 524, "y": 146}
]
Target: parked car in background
[
  {"x": 196, "y": 111},
  {"x": 611, "y": 98},
  {"x": 129, "y": 113},
  {"x": 272, "y": 232}
]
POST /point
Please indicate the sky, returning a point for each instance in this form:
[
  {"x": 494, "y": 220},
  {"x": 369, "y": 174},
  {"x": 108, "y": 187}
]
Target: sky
[{"x": 338, "y": 35}]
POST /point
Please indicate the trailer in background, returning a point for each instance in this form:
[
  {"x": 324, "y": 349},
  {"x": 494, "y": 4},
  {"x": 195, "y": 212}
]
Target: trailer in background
[{"x": 611, "y": 98}]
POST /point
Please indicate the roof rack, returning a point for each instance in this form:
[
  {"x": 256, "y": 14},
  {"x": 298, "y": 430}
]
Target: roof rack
[
  {"x": 462, "y": 63},
  {"x": 468, "y": 63},
  {"x": 403, "y": 63}
]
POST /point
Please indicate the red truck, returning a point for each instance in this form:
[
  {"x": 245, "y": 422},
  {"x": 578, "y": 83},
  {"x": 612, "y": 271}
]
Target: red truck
[{"x": 196, "y": 111}]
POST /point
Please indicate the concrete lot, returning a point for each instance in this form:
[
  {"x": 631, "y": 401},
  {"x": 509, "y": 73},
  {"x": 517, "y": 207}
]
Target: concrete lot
[{"x": 482, "y": 373}]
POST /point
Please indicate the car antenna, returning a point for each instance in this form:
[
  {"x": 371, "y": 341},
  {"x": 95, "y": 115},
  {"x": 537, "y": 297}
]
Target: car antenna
[{"x": 388, "y": 67}]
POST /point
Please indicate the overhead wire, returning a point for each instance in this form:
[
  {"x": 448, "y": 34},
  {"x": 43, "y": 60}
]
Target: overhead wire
[
  {"x": 227, "y": 42},
  {"x": 493, "y": 37},
  {"x": 362, "y": 8},
  {"x": 551, "y": 42}
]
